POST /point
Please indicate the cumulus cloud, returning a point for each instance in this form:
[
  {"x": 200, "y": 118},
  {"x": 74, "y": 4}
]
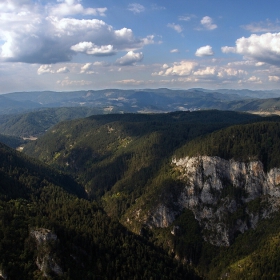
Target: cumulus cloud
[
  {"x": 136, "y": 8},
  {"x": 208, "y": 71},
  {"x": 207, "y": 23},
  {"x": 254, "y": 79},
  {"x": 261, "y": 48},
  {"x": 183, "y": 68},
  {"x": 101, "y": 63},
  {"x": 44, "y": 69},
  {"x": 227, "y": 49},
  {"x": 178, "y": 28},
  {"x": 225, "y": 72},
  {"x": 63, "y": 70},
  {"x": 273, "y": 78},
  {"x": 30, "y": 37},
  {"x": 174, "y": 51},
  {"x": 92, "y": 49},
  {"x": 73, "y": 7},
  {"x": 204, "y": 51},
  {"x": 130, "y": 58},
  {"x": 87, "y": 68}
]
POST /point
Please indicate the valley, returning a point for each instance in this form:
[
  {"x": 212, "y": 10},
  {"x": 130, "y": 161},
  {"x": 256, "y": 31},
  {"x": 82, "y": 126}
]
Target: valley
[{"x": 126, "y": 195}]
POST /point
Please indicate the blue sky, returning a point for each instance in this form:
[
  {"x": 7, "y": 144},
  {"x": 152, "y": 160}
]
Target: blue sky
[{"x": 79, "y": 44}]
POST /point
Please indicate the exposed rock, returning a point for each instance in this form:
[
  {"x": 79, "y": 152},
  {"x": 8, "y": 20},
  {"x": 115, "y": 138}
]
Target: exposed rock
[
  {"x": 45, "y": 260},
  {"x": 218, "y": 192},
  {"x": 43, "y": 235},
  {"x": 3, "y": 275},
  {"x": 175, "y": 230}
]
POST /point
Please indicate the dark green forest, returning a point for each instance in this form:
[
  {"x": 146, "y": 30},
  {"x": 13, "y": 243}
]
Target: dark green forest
[
  {"x": 90, "y": 245},
  {"x": 258, "y": 141},
  {"x": 83, "y": 179}
]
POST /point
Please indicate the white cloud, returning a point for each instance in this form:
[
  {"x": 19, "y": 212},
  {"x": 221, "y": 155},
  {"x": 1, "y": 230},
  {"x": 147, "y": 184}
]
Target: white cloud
[
  {"x": 258, "y": 64},
  {"x": 174, "y": 51},
  {"x": 227, "y": 49},
  {"x": 92, "y": 49},
  {"x": 208, "y": 71},
  {"x": 225, "y": 72},
  {"x": 73, "y": 7},
  {"x": 30, "y": 37},
  {"x": 87, "y": 69},
  {"x": 130, "y": 58},
  {"x": 263, "y": 26},
  {"x": 254, "y": 79},
  {"x": 207, "y": 23},
  {"x": 44, "y": 69},
  {"x": 183, "y": 68},
  {"x": 178, "y": 28},
  {"x": 273, "y": 78},
  {"x": 261, "y": 48},
  {"x": 136, "y": 8},
  {"x": 204, "y": 51},
  {"x": 63, "y": 70},
  {"x": 101, "y": 63}
]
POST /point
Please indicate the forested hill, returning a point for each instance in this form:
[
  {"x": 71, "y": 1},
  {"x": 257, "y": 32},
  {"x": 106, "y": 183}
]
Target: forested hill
[
  {"x": 124, "y": 162},
  {"x": 134, "y": 147},
  {"x": 258, "y": 141},
  {"x": 82, "y": 242},
  {"x": 36, "y": 123},
  {"x": 24, "y": 175}
]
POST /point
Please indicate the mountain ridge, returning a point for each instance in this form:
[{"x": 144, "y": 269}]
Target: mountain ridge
[{"x": 155, "y": 100}]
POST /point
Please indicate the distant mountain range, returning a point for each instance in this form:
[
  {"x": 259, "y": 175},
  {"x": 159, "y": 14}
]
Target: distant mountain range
[{"x": 145, "y": 100}]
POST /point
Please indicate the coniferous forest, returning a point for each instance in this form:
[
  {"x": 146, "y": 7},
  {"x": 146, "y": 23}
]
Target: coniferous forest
[{"x": 84, "y": 180}]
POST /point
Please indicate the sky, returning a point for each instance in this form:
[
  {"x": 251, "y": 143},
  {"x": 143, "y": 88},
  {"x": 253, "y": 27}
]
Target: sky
[{"x": 68, "y": 45}]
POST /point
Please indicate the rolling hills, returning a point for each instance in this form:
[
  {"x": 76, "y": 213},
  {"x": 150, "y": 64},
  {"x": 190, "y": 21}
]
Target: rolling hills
[{"x": 140, "y": 101}]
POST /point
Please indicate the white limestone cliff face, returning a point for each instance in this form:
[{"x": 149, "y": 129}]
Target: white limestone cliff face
[
  {"x": 45, "y": 260},
  {"x": 215, "y": 189}
]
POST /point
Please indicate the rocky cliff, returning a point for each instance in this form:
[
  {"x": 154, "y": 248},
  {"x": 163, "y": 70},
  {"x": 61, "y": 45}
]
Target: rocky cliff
[
  {"x": 227, "y": 197},
  {"x": 46, "y": 262}
]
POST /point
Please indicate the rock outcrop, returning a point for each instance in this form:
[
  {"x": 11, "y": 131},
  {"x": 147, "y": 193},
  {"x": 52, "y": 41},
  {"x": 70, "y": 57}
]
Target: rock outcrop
[
  {"x": 3, "y": 275},
  {"x": 227, "y": 197},
  {"x": 46, "y": 263}
]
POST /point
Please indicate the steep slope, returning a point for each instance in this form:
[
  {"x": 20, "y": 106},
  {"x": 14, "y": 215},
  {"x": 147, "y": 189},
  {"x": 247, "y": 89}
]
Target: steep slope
[
  {"x": 12, "y": 141},
  {"x": 224, "y": 184},
  {"x": 133, "y": 147},
  {"x": 48, "y": 230},
  {"x": 199, "y": 195}
]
